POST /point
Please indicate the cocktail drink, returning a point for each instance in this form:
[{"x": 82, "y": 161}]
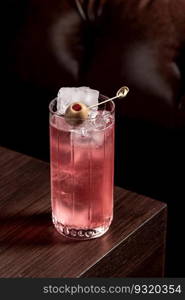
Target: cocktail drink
[{"x": 82, "y": 172}]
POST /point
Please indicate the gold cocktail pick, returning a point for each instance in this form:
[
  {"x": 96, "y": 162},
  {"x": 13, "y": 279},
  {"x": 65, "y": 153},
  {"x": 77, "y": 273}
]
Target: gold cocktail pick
[
  {"x": 78, "y": 112},
  {"x": 121, "y": 93}
]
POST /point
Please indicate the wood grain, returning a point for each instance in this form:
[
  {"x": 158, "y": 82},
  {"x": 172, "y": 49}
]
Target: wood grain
[{"x": 31, "y": 247}]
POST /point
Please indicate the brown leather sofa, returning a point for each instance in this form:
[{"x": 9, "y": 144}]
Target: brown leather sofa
[{"x": 105, "y": 44}]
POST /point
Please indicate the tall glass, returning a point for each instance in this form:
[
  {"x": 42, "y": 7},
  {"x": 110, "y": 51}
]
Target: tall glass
[{"x": 82, "y": 172}]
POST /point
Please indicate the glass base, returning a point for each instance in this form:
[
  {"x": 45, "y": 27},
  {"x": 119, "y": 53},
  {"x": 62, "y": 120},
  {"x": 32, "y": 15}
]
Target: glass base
[{"x": 80, "y": 234}]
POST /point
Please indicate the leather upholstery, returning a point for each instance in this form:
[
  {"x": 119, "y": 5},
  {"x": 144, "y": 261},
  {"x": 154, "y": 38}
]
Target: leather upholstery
[
  {"x": 104, "y": 44},
  {"x": 139, "y": 43}
]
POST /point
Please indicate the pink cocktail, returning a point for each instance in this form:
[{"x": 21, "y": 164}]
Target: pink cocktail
[{"x": 82, "y": 169}]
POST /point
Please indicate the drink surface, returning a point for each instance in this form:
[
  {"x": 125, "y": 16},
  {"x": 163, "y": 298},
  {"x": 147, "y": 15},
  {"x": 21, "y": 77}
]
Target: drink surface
[{"x": 82, "y": 168}]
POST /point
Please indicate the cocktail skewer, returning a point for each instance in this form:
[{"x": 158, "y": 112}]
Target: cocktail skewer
[
  {"x": 78, "y": 112},
  {"x": 121, "y": 93}
]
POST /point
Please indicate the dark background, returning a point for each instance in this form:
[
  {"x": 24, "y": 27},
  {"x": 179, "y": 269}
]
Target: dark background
[{"x": 104, "y": 44}]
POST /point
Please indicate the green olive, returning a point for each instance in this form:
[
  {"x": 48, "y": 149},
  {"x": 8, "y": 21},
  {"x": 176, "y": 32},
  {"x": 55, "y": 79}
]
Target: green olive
[{"x": 76, "y": 113}]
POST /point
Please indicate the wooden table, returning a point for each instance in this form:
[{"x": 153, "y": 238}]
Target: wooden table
[{"x": 31, "y": 247}]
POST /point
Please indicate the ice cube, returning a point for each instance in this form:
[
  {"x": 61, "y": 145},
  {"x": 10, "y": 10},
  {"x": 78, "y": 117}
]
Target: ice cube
[
  {"x": 81, "y": 136},
  {"x": 107, "y": 117},
  {"x": 98, "y": 121},
  {"x": 93, "y": 113},
  {"x": 98, "y": 138},
  {"x": 68, "y": 95}
]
